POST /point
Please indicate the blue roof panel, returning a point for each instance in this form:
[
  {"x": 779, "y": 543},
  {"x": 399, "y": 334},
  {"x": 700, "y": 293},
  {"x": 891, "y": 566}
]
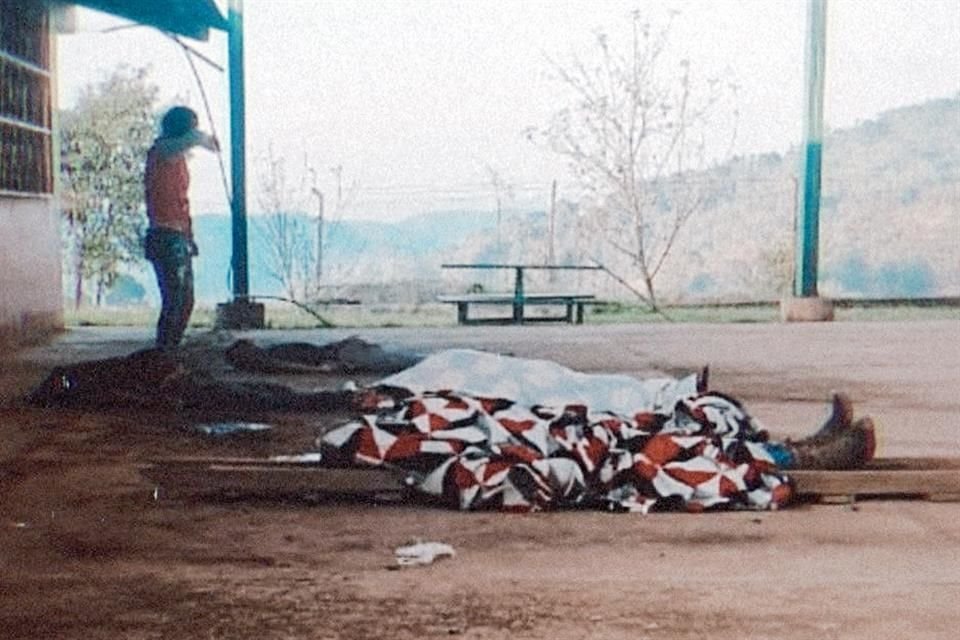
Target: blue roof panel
[{"x": 191, "y": 18}]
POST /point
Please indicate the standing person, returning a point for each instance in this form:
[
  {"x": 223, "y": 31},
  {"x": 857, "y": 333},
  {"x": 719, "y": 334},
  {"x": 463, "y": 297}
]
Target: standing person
[{"x": 169, "y": 243}]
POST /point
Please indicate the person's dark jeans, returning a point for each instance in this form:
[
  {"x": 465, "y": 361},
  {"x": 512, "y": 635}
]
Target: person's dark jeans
[{"x": 172, "y": 256}]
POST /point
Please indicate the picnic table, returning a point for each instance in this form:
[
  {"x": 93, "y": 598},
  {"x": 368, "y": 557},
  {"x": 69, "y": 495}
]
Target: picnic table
[{"x": 573, "y": 302}]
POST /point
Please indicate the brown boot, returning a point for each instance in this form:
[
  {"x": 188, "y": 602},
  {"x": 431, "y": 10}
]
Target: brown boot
[
  {"x": 849, "y": 448},
  {"x": 703, "y": 379},
  {"x": 840, "y": 418}
]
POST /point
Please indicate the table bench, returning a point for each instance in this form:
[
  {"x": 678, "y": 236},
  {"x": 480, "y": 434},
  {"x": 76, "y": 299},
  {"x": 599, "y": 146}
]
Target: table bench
[
  {"x": 519, "y": 299},
  {"x": 573, "y": 302}
]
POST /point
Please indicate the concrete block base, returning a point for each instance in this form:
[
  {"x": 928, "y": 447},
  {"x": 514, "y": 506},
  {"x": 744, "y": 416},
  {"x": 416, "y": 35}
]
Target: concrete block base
[
  {"x": 809, "y": 309},
  {"x": 240, "y": 314},
  {"x": 32, "y": 329}
]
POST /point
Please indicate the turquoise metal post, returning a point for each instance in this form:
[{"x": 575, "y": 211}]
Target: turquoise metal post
[
  {"x": 238, "y": 142},
  {"x": 518, "y": 297},
  {"x": 808, "y": 220}
]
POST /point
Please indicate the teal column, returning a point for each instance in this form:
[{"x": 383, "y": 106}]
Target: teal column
[
  {"x": 518, "y": 297},
  {"x": 238, "y": 146},
  {"x": 808, "y": 218}
]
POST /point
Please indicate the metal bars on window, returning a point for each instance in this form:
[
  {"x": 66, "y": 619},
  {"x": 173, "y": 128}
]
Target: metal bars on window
[{"x": 26, "y": 160}]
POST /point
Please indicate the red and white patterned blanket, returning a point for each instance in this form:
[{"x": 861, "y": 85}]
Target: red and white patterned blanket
[{"x": 702, "y": 451}]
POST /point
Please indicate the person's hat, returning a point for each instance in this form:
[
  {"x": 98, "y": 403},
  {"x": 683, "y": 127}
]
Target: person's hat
[{"x": 178, "y": 121}]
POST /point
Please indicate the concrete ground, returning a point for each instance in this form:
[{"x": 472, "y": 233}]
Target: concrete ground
[{"x": 88, "y": 550}]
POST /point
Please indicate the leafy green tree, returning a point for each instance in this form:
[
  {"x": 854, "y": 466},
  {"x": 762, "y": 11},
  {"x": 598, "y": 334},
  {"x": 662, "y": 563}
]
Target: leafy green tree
[{"x": 104, "y": 141}]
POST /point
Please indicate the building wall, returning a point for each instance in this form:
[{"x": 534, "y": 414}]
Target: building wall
[{"x": 31, "y": 303}]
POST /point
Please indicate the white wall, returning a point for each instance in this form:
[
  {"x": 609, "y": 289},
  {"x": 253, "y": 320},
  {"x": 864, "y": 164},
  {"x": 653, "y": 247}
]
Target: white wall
[{"x": 31, "y": 298}]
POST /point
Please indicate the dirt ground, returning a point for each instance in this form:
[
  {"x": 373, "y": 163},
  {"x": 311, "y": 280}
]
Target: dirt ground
[{"x": 89, "y": 550}]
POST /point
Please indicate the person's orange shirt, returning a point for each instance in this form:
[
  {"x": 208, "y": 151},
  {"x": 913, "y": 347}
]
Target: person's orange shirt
[{"x": 166, "y": 181}]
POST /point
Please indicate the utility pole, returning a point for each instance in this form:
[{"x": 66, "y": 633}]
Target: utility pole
[
  {"x": 498, "y": 191},
  {"x": 319, "y": 265},
  {"x": 337, "y": 171},
  {"x": 806, "y": 303},
  {"x": 499, "y": 223},
  {"x": 315, "y": 190},
  {"x": 552, "y": 230}
]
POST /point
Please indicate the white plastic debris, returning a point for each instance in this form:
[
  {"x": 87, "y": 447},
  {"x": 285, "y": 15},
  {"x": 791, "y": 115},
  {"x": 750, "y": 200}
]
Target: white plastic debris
[
  {"x": 312, "y": 457},
  {"x": 349, "y": 385},
  {"x": 227, "y": 429},
  {"x": 423, "y": 553}
]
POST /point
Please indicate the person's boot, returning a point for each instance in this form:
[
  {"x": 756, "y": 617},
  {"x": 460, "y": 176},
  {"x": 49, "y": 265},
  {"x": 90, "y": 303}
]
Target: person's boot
[
  {"x": 840, "y": 418},
  {"x": 849, "y": 448},
  {"x": 703, "y": 379}
]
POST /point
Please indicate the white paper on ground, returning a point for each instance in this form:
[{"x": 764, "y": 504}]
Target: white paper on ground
[{"x": 423, "y": 553}]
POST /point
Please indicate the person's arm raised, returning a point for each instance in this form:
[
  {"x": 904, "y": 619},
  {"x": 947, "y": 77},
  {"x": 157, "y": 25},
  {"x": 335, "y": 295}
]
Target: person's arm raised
[{"x": 167, "y": 147}]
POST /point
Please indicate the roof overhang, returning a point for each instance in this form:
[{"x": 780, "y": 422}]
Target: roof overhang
[{"x": 191, "y": 18}]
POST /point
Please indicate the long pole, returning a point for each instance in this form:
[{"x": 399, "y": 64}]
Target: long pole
[
  {"x": 239, "y": 262},
  {"x": 337, "y": 171},
  {"x": 808, "y": 222},
  {"x": 552, "y": 231},
  {"x": 319, "y": 265}
]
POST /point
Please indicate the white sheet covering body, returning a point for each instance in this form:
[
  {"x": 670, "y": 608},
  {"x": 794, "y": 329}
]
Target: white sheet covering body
[{"x": 540, "y": 382}]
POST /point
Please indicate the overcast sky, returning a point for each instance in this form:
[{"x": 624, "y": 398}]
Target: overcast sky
[{"x": 415, "y": 98}]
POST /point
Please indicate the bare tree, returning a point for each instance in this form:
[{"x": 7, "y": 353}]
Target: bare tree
[
  {"x": 297, "y": 239},
  {"x": 635, "y": 132},
  {"x": 291, "y": 258}
]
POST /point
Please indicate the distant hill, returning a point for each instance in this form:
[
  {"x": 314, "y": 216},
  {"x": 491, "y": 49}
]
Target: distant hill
[
  {"x": 889, "y": 222},
  {"x": 890, "y": 226},
  {"x": 348, "y": 242}
]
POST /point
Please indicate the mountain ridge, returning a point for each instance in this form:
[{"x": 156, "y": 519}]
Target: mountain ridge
[{"x": 889, "y": 225}]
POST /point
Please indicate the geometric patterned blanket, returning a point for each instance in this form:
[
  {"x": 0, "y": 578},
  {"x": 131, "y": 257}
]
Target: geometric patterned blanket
[{"x": 699, "y": 451}]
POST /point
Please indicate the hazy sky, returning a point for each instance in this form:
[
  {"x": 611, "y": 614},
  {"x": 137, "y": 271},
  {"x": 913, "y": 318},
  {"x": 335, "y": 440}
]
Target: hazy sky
[{"x": 415, "y": 98}]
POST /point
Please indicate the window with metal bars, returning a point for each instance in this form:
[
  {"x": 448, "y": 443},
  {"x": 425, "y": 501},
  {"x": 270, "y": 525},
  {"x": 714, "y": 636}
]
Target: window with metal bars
[{"x": 26, "y": 154}]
